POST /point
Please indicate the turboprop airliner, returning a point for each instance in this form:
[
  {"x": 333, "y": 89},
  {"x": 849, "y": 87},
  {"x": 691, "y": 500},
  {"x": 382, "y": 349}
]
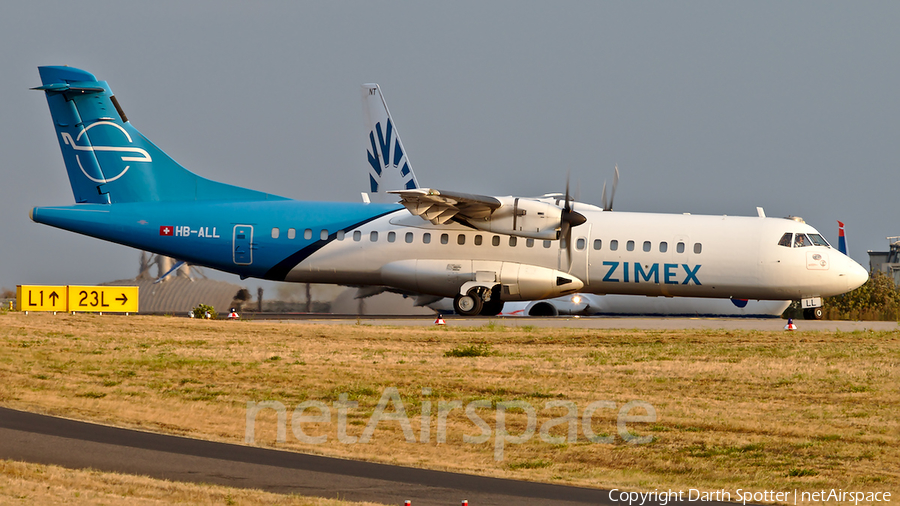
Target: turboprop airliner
[
  {"x": 382, "y": 180},
  {"x": 480, "y": 250}
]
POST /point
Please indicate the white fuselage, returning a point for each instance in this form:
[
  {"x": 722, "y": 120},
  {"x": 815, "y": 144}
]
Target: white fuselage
[{"x": 612, "y": 253}]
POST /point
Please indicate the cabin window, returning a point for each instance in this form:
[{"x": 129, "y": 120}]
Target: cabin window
[
  {"x": 629, "y": 245},
  {"x": 292, "y": 233},
  {"x": 529, "y": 243},
  {"x": 613, "y": 245},
  {"x": 392, "y": 237},
  {"x": 340, "y": 235},
  {"x": 445, "y": 239},
  {"x": 579, "y": 244},
  {"x": 679, "y": 247},
  {"x": 409, "y": 237},
  {"x": 323, "y": 235},
  {"x": 373, "y": 236},
  {"x": 478, "y": 240},
  {"x": 461, "y": 239},
  {"x": 663, "y": 247},
  {"x": 818, "y": 240},
  {"x": 647, "y": 246},
  {"x": 495, "y": 241},
  {"x": 307, "y": 234},
  {"x": 513, "y": 241},
  {"x": 357, "y": 235},
  {"x": 786, "y": 240},
  {"x": 426, "y": 238},
  {"x": 275, "y": 233},
  {"x": 546, "y": 244},
  {"x": 698, "y": 248},
  {"x": 598, "y": 244}
]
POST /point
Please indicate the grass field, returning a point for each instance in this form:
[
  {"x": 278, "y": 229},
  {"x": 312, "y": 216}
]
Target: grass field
[{"x": 734, "y": 409}]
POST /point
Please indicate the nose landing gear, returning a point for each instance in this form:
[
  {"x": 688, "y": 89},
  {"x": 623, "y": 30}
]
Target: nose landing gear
[{"x": 813, "y": 313}]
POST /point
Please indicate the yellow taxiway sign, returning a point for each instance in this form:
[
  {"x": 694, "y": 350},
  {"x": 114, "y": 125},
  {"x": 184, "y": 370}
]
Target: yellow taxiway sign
[
  {"x": 108, "y": 299},
  {"x": 41, "y": 298},
  {"x": 87, "y": 299}
]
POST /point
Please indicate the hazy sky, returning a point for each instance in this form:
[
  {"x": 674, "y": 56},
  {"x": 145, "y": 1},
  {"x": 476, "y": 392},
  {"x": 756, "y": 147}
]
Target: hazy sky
[{"x": 706, "y": 107}]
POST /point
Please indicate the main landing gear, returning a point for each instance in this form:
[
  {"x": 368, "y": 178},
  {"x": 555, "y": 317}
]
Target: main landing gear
[{"x": 478, "y": 300}]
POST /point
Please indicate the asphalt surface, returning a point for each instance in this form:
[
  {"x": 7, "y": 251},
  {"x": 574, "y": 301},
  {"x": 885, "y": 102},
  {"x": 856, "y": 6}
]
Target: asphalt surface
[{"x": 49, "y": 440}]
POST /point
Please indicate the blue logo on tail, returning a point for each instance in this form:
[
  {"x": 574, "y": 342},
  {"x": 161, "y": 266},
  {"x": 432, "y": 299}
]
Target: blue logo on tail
[
  {"x": 137, "y": 154},
  {"x": 383, "y": 158}
]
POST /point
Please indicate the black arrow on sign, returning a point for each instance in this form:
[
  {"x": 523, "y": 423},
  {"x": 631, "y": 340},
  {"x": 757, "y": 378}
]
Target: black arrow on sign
[
  {"x": 53, "y": 296},
  {"x": 123, "y": 298}
]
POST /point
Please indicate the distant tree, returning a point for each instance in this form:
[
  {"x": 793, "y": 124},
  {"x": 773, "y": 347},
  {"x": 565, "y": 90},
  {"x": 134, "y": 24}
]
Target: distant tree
[
  {"x": 6, "y": 293},
  {"x": 877, "y": 299}
]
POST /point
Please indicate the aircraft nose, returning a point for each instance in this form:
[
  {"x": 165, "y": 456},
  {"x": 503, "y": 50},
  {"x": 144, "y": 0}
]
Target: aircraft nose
[{"x": 856, "y": 275}]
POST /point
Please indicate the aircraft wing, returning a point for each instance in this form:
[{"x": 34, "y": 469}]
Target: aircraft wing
[{"x": 438, "y": 206}]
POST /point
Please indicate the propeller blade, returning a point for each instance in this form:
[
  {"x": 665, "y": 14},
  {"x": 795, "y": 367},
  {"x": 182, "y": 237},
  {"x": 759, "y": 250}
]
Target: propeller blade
[
  {"x": 603, "y": 197},
  {"x": 612, "y": 194}
]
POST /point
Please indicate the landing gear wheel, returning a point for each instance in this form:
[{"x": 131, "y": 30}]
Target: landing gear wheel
[
  {"x": 492, "y": 307},
  {"x": 469, "y": 304},
  {"x": 813, "y": 313}
]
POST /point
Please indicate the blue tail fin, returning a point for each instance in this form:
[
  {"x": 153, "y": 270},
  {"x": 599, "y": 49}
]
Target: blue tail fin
[{"x": 110, "y": 161}]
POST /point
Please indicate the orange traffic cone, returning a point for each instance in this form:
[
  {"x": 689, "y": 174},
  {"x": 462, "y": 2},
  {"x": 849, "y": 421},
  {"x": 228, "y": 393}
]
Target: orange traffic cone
[{"x": 440, "y": 320}]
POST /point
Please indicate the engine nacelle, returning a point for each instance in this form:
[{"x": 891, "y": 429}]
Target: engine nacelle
[
  {"x": 447, "y": 277},
  {"x": 523, "y": 217}
]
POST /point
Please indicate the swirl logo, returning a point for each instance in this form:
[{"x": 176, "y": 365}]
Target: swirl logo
[{"x": 135, "y": 154}]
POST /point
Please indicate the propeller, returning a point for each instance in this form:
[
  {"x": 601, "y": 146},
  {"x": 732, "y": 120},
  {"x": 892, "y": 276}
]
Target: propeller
[
  {"x": 568, "y": 219},
  {"x": 612, "y": 194}
]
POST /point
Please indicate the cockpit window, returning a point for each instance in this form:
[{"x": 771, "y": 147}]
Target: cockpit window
[
  {"x": 818, "y": 240},
  {"x": 786, "y": 240},
  {"x": 801, "y": 241}
]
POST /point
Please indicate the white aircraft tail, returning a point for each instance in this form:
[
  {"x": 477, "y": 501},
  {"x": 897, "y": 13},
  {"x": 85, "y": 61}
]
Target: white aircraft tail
[{"x": 389, "y": 167}]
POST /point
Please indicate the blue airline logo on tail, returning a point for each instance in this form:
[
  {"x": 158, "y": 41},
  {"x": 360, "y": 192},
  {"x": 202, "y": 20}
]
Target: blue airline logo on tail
[
  {"x": 380, "y": 156},
  {"x": 144, "y": 156}
]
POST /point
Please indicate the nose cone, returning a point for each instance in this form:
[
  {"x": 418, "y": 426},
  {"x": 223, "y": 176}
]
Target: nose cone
[
  {"x": 566, "y": 283},
  {"x": 856, "y": 275}
]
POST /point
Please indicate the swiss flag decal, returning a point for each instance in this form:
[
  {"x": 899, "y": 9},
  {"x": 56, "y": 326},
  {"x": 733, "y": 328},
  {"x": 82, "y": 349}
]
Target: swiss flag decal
[{"x": 166, "y": 230}]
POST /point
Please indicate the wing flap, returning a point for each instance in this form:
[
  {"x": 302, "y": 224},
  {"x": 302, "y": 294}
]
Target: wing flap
[{"x": 438, "y": 206}]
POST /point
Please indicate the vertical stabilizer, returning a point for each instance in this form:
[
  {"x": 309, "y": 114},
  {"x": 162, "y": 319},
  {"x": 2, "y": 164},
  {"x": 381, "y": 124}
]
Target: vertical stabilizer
[
  {"x": 389, "y": 167},
  {"x": 842, "y": 241},
  {"x": 110, "y": 161}
]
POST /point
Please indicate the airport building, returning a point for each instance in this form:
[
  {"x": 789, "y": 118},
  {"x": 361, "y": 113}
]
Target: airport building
[{"x": 887, "y": 262}]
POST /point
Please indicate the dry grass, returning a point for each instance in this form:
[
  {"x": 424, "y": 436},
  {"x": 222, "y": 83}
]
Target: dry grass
[
  {"x": 736, "y": 409},
  {"x": 22, "y": 483}
]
